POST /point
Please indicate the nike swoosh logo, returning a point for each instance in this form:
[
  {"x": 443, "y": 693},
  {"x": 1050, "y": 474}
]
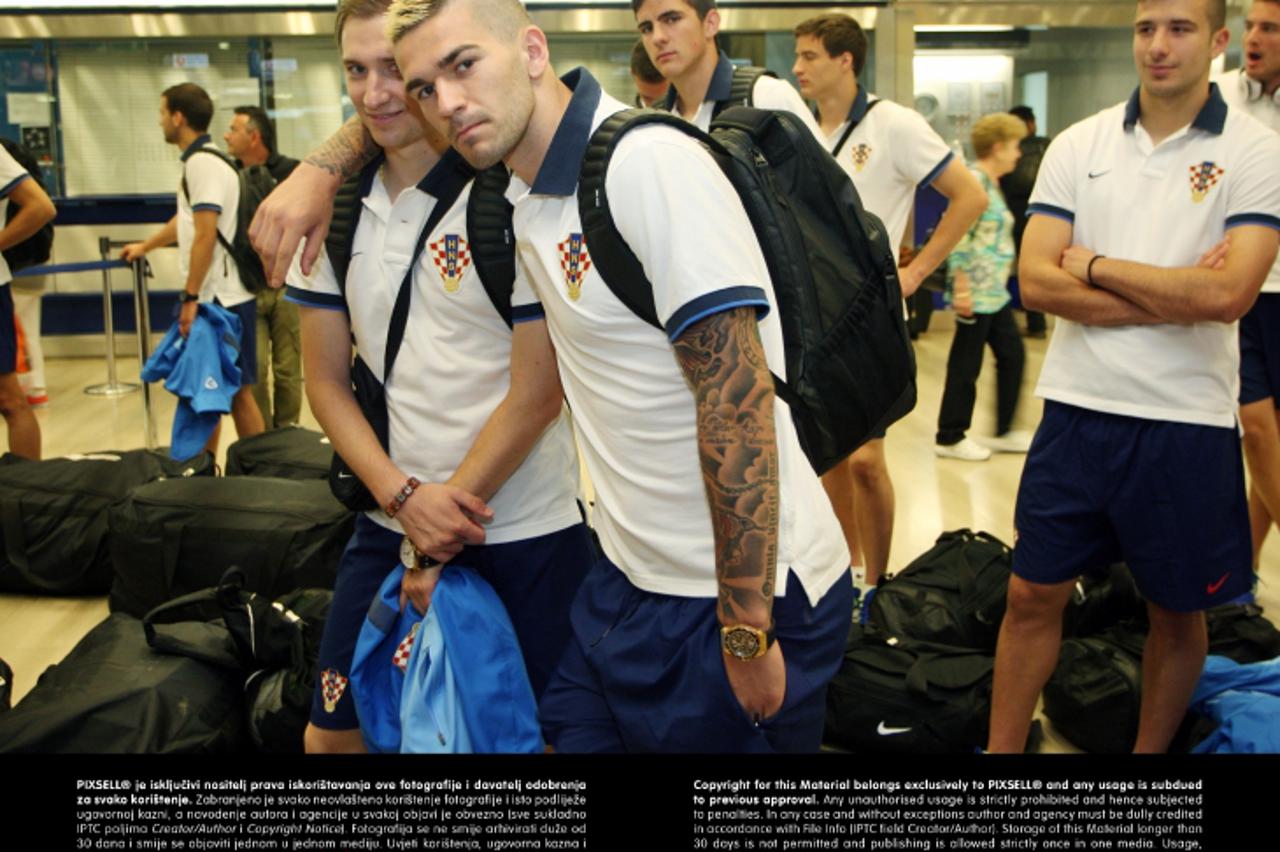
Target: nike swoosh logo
[
  {"x": 345, "y": 475},
  {"x": 1093, "y": 175},
  {"x": 1212, "y": 588},
  {"x": 885, "y": 731}
]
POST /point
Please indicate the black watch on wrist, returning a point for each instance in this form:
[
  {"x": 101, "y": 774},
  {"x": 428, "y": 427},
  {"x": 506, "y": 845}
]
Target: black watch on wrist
[{"x": 188, "y": 297}]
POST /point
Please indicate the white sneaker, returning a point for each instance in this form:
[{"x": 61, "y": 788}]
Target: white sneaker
[
  {"x": 1013, "y": 441},
  {"x": 964, "y": 449}
]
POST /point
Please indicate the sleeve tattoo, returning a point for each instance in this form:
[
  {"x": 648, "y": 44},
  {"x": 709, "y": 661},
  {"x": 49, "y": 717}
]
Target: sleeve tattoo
[
  {"x": 724, "y": 364},
  {"x": 346, "y": 151}
]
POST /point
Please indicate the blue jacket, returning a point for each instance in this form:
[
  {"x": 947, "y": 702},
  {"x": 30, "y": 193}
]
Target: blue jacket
[
  {"x": 201, "y": 371},
  {"x": 1245, "y": 701},
  {"x": 463, "y": 688}
]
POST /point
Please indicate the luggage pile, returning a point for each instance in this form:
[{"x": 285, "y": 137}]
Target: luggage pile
[
  {"x": 917, "y": 673},
  {"x": 916, "y": 677},
  {"x": 218, "y": 589}
]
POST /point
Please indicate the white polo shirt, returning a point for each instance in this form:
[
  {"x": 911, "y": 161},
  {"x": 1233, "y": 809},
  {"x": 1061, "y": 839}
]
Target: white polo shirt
[
  {"x": 767, "y": 93},
  {"x": 1266, "y": 109},
  {"x": 890, "y": 154},
  {"x": 1162, "y": 205},
  {"x": 213, "y": 185},
  {"x": 11, "y": 174},
  {"x": 454, "y": 364},
  {"x": 632, "y": 407}
]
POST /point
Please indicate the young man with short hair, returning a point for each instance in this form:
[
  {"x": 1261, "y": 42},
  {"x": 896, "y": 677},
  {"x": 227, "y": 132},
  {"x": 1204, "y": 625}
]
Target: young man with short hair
[
  {"x": 1255, "y": 89},
  {"x": 208, "y": 200},
  {"x": 680, "y": 37},
  {"x": 251, "y": 139},
  {"x": 888, "y": 152},
  {"x": 479, "y": 447},
  {"x": 1153, "y": 225},
  {"x": 34, "y": 210},
  {"x": 720, "y": 556}
]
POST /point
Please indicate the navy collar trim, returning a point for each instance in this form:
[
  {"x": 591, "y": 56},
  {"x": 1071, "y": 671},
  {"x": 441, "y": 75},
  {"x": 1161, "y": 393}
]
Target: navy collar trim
[
  {"x": 719, "y": 89},
  {"x": 558, "y": 174},
  {"x": 200, "y": 142},
  {"x": 859, "y": 109},
  {"x": 1212, "y": 117},
  {"x": 438, "y": 182}
]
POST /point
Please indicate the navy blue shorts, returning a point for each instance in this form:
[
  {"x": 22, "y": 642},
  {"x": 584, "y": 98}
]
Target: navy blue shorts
[
  {"x": 1166, "y": 498},
  {"x": 248, "y": 360},
  {"x": 1260, "y": 350},
  {"x": 644, "y": 672},
  {"x": 8, "y": 332},
  {"x": 536, "y": 579}
]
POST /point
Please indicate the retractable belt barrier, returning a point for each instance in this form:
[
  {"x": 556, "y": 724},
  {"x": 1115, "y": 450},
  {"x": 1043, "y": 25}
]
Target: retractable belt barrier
[{"x": 142, "y": 314}]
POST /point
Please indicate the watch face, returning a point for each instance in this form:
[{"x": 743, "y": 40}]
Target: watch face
[
  {"x": 742, "y": 643},
  {"x": 408, "y": 553}
]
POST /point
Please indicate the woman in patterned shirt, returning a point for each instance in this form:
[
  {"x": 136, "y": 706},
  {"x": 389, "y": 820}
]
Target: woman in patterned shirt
[{"x": 977, "y": 288}]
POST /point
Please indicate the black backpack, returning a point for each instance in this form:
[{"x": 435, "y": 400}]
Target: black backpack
[
  {"x": 256, "y": 184},
  {"x": 900, "y": 695},
  {"x": 850, "y": 366},
  {"x": 952, "y": 594},
  {"x": 36, "y": 248}
]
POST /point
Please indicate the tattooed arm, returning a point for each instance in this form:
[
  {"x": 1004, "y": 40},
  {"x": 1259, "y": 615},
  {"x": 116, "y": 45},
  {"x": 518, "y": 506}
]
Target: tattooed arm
[
  {"x": 724, "y": 363},
  {"x": 302, "y": 205}
]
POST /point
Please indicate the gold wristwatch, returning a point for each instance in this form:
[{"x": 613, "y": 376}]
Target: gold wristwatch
[
  {"x": 745, "y": 642},
  {"x": 414, "y": 559}
]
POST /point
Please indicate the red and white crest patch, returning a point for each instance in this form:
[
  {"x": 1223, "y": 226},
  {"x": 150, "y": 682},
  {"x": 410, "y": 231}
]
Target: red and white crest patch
[
  {"x": 452, "y": 256},
  {"x": 575, "y": 262},
  {"x": 332, "y": 685},
  {"x": 861, "y": 154},
  {"x": 1203, "y": 178},
  {"x": 400, "y": 659}
]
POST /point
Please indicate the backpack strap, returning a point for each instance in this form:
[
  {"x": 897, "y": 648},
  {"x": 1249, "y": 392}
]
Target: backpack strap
[
  {"x": 347, "y": 207},
  {"x": 853, "y": 125},
  {"x": 449, "y": 192},
  {"x": 204, "y": 149},
  {"x": 742, "y": 88},
  {"x": 618, "y": 266},
  {"x": 492, "y": 237}
]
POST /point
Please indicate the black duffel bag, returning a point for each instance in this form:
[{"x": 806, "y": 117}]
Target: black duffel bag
[
  {"x": 114, "y": 695},
  {"x": 274, "y": 645},
  {"x": 953, "y": 594},
  {"x": 1242, "y": 633},
  {"x": 1094, "y": 694},
  {"x": 53, "y": 516},
  {"x": 291, "y": 452},
  {"x": 180, "y": 536},
  {"x": 900, "y": 695}
]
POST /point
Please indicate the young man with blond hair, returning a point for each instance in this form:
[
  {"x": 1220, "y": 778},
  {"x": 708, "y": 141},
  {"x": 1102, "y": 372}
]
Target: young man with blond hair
[
  {"x": 480, "y": 468},
  {"x": 1153, "y": 225},
  {"x": 720, "y": 608}
]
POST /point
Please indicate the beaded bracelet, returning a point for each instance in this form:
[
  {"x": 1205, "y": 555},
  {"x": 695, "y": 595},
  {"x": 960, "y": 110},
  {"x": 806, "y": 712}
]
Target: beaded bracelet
[{"x": 410, "y": 486}]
